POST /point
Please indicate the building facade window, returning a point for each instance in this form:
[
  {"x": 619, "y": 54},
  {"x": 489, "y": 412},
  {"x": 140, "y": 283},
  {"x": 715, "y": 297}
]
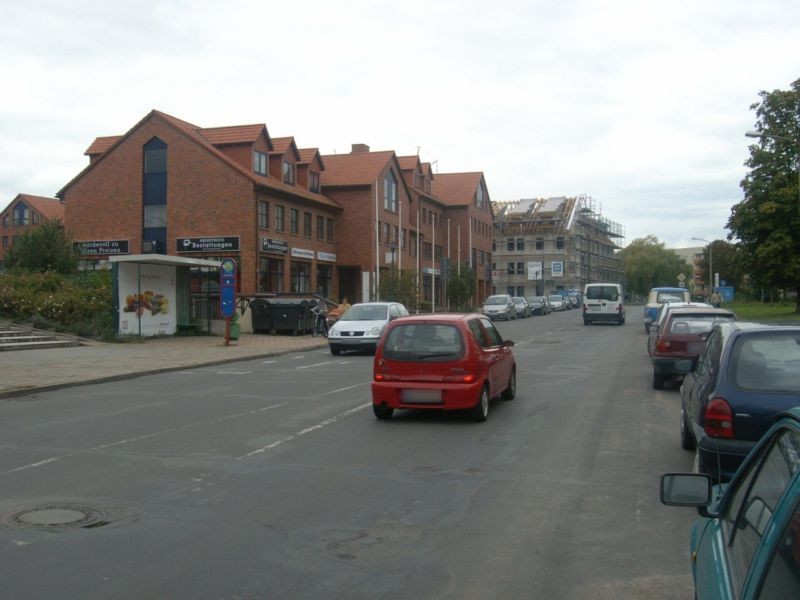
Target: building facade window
[
  {"x": 270, "y": 275},
  {"x": 426, "y": 250},
  {"x": 386, "y": 236},
  {"x": 325, "y": 280},
  {"x": 260, "y": 163},
  {"x": 560, "y": 243},
  {"x": 21, "y": 215},
  {"x": 539, "y": 243},
  {"x": 520, "y": 244},
  {"x": 5, "y": 241},
  {"x": 313, "y": 182},
  {"x": 520, "y": 268},
  {"x": 294, "y": 221},
  {"x": 390, "y": 192},
  {"x": 320, "y": 227},
  {"x": 301, "y": 277},
  {"x": 511, "y": 269},
  {"x": 307, "y": 225},
  {"x": 479, "y": 197},
  {"x": 329, "y": 233},
  {"x": 263, "y": 214},
  {"x": 154, "y": 197},
  {"x": 280, "y": 218},
  {"x": 288, "y": 172},
  {"x": 510, "y": 244}
]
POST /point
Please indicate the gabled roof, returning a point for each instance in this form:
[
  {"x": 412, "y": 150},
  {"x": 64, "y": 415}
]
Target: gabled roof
[
  {"x": 307, "y": 156},
  {"x": 49, "y": 208},
  {"x": 361, "y": 168},
  {"x": 283, "y": 144},
  {"x": 456, "y": 188},
  {"x": 408, "y": 163},
  {"x": 101, "y": 144},
  {"x": 235, "y": 134},
  {"x": 193, "y": 132}
]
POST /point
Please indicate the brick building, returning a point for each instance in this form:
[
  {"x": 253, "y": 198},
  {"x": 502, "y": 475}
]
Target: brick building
[
  {"x": 296, "y": 221},
  {"x": 23, "y": 213}
]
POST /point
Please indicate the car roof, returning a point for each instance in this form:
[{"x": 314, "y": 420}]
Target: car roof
[
  {"x": 374, "y": 303},
  {"x": 753, "y": 327},
  {"x": 438, "y": 318},
  {"x": 668, "y": 289},
  {"x": 699, "y": 310}
]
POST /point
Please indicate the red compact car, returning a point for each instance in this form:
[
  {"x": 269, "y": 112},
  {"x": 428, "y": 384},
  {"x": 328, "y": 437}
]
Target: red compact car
[{"x": 442, "y": 362}]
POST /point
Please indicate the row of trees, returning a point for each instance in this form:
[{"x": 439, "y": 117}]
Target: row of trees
[
  {"x": 763, "y": 246},
  {"x": 402, "y": 286}
]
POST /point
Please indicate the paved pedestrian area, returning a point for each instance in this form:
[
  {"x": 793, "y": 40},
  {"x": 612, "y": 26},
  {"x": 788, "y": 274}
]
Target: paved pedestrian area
[{"x": 29, "y": 371}]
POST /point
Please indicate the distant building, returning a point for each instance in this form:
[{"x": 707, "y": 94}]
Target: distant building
[
  {"x": 549, "y": 245},
  {"x": 698, "y": 282},
  {"x": 26, "y": 212}
]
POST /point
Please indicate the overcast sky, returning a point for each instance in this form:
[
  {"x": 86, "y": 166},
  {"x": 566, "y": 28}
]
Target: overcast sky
[{"x": 640, "y": 105}]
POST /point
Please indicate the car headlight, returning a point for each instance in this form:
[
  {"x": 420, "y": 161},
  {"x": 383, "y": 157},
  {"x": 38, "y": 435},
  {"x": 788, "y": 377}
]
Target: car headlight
[
  {"x": 375, "y": 331},
  {"x": 333, "y": 332}
]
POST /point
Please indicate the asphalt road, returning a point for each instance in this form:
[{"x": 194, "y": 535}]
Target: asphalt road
[{"x": 272, "y": 479}]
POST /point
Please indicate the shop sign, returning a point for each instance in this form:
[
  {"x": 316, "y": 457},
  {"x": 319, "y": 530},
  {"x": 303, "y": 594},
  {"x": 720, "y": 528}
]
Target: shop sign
[
  {"x": 101, "y": 247},
  {"x": 326, "y": 256},
  {"x": 303, "y": 253},
  {"x": 274, "y": 246},
  {"x": 208, "y": 244},
  {"x": 557, "y": 268}
]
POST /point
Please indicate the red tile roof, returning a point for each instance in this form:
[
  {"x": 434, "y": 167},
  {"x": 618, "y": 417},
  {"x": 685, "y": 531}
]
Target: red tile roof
[
  {"x": 101, "y": 144},
  {"x": 282, "y": 144},
  {"x": 456, "y": 188},
  {"x": 195, "y": 133},
  {"x": 408, "y": 162},
  {"x": 235, "y": 134},
  {"x": 49, "y": 208},
  {"x": 361, "y": 168}
]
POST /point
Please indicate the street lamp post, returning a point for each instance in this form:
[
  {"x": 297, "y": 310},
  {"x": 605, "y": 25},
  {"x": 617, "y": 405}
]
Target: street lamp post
[
  {"x": 710, "y": 265},
  {"x": 755, "y": 134}
]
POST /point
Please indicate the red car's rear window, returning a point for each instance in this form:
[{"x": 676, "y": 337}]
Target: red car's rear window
[{"x": 424, "y": 342}]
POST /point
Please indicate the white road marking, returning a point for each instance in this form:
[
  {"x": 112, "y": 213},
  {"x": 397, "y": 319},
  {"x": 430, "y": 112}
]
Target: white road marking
[
  {"x": 302, "y": 432},
  {"x": 142, "y": 437},
  {"x": 344, "y": 389},
  {"x": 327, "y": 362}
]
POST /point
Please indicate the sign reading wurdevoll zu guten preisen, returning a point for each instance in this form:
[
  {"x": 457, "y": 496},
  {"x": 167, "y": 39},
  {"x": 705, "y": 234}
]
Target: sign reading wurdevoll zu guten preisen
[
  {"x": 208, "y": 244},
  {"x": 94, "y": 247}
]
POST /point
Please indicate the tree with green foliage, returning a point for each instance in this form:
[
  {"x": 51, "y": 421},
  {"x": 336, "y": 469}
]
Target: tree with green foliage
[
  {"x": 46, "y": 248},
  {"x": 648, "y": 264},
  {"x": 461, "y": 287},
  {"x": 726, "y": 261},
  {"x": 399, "y": 285},
  {"x": 766, "y": 223}
]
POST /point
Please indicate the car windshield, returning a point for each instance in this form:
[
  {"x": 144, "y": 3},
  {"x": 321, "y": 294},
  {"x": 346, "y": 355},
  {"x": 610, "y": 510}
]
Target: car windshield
[
  {"x": 426, "y": 342},
  {"x": 556, "y": 299},
  {"x": 365, "y": 312},
  {"x": 518, "y": 300},
  {"x": 602, "y": 292},
  {"x": 670, "y": 297},
  {"x": 768, "y": 362},
  {"x": 534, "y": 301},
  {"x": 497, "y": 300}
]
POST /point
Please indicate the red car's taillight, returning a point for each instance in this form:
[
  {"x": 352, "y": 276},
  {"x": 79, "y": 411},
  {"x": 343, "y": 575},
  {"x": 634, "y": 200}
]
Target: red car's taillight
[
  {"x": 719, "y": 419},
  {"x": 663, "y": 346},
  {"x": 469, "y": 378}
]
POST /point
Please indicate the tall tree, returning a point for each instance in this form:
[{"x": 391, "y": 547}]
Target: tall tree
[
  {"x": 725, "y": 261},
  {"x": 45, "y": 248},
  {"x": 647, "y": 264},
  {"x": 766, "y": 222}
]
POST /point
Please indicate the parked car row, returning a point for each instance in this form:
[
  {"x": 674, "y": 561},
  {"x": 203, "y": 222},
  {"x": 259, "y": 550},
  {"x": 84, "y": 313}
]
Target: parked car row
[
  {"x": 739, "y": 380},
  {"x": 507, "y": 307}
]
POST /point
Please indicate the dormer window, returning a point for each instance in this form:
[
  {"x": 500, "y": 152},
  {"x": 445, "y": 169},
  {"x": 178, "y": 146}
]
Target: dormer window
[
  {"x": 260, "y": 163},
  {"x": 313, "y": 182},
  {"x": 21, "y": 215},
  {"x": 288, "y": 172}
]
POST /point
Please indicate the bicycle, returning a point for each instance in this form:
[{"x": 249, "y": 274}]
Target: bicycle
[{"x": 320, "y": 324}]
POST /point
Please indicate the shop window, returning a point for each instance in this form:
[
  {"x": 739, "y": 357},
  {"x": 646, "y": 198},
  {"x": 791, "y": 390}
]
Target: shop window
[
  {"x": 301, "y": 277},
  {"x": 325, "y": 280}
]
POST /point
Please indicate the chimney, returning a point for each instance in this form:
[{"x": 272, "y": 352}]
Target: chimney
[{"x": 359, "y": 149}]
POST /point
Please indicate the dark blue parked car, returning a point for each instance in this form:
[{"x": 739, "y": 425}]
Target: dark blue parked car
[
  {"x": 747, "y": 374},
  {"x": 746, "y": 543}
]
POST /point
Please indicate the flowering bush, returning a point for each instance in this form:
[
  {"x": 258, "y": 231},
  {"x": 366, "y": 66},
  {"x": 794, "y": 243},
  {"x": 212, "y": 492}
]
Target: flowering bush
[{"x": 78, "y": 303}]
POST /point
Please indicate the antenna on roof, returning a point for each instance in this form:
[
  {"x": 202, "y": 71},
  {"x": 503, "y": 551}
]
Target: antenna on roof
[{"x": 417, "y": 150}]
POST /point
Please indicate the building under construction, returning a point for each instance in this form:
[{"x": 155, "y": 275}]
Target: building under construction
[{"x": 549, "y": 245}]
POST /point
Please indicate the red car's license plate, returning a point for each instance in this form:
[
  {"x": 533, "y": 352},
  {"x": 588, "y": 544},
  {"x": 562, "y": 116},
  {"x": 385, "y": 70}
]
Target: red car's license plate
[{"x": 421, "y": 396}]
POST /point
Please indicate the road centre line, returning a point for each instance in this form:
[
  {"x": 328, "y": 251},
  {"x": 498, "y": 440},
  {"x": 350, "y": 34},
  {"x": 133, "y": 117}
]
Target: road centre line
[
  {"x": 327, "y": 362},
  {"x": 344, "y": 389},
  {"x": 142, "y": 437},
  {"x": 305, "y": 431}
]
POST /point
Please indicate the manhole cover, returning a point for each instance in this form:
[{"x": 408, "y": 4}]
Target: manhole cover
[{"x": 57, "y": 515}]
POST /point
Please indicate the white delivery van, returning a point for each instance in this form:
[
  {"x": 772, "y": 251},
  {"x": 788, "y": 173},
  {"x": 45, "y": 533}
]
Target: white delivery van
[{"x": 603, "y": 302}]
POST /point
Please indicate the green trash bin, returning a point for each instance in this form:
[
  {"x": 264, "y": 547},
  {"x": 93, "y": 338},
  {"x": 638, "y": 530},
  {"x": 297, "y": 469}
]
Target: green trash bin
[{"x": 261, "y": 315}]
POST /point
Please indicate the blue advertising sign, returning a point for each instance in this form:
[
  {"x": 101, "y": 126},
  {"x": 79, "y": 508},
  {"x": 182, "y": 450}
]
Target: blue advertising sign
[{"x": 227, "y": 288}]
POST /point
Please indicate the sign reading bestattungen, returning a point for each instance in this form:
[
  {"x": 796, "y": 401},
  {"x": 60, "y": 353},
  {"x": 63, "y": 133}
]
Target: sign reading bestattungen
[
  {"x": 208, "y": 244},
  {"x": 101, "y": 247}
]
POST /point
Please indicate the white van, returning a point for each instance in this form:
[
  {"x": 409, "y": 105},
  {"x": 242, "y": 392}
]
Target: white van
[{"x": 603, "y": 302}]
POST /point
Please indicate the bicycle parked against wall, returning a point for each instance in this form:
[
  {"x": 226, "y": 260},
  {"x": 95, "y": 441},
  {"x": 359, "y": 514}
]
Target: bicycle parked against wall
[{"x": 320, "y": 320}]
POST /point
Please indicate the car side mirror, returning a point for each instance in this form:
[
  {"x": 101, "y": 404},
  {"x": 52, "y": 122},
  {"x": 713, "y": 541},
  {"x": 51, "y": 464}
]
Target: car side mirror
[
  {"x": 508, "y": 343},
  {"x": 687, "y": 489}
]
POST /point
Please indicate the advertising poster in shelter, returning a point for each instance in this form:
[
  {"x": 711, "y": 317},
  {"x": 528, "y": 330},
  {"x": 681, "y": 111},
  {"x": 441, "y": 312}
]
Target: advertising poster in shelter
[{"x": 147, "y": 299}]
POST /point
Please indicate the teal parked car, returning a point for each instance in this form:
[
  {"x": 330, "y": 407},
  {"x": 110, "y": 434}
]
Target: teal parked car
[{"x": 746, "y": 543}]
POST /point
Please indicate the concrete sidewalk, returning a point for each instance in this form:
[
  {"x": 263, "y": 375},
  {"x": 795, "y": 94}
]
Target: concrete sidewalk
[{"x": 26, "y": 372}]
